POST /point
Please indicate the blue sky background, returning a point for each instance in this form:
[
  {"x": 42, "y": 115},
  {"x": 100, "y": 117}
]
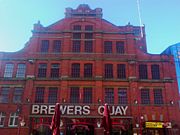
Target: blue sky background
[{"x": 161, "y": 19}]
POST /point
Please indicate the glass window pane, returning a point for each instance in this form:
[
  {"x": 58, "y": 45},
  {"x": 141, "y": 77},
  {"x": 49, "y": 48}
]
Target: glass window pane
[
  {"x": 44, "y": 45},
  {"x": 122, "y": 96},
  {"x": 74, "y": 95},
  {"x": 8, "y": 70},
  {"x": 21, "y": 70},
  {"x": 109, "y": 95}
]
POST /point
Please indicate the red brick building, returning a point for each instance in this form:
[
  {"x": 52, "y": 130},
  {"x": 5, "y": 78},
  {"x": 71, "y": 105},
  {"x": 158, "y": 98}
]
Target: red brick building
[{"x": 82, "y": 62}]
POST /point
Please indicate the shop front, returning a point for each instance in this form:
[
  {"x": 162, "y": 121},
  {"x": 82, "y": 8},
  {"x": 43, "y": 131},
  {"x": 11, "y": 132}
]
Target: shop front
[{"x": 80, "y": 120}]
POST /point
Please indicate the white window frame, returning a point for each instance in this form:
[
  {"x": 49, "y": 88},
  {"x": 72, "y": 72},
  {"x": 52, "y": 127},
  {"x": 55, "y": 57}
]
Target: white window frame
[
  {"x": 21, "y": 70},
  {"x": 9, "y": 68},
  {"x": 15, "y": 117},
  {"x": 2, "y": 117}
]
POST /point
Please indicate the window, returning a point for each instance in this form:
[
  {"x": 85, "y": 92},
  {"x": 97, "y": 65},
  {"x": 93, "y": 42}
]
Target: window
[
  {"x": 145, "y": 98},
  {"x": 2, "y": 118},
  {"x": 75, "y": 70},
  {"x": 52, "y": 97},
  {"x": 8, "y": 70},
  {"x": 17, "y": 95},
  {"x": 76, "y": 35},
  {"x": 54, "y": 70},
  {"x": 21, "y": 69},
  {"x": 109, "y": 95},
  {"x": 76, "y": 46},
  {"x": 143, "y": 72},
  {"x": 122, "y": 96},
  {"x": 107, "y": 47},
  {"x": 87, "y": 70},
  {"x": 120, "y": 47},
  {"x": 155, "y": 72},
  {"x": 74, "y": 95},
  {"x": 57, "y": 46},
  {"x": 89, "y": 28},
  {"x": 42, "y": 70},
  {"x": 158, "y": 97},
  {"x": 5, "y": 95},
  {"x": 87, "y": 95},
  {"x": 13, "y": 120},
  {"x": 108, "y": 71},
  {"x": 39, "y": 97},
  {"x": 88, "y": 46},
  {"x": 121, "y": 71},
  {"x": 77, "y": 27},
  {"x": 88, "y": 36},
  {"x": 44, "y": 46}
]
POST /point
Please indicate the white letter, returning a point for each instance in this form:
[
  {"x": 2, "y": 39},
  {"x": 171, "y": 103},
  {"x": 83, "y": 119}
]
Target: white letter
[
  {"x": 35, "y": 109},
  {"x": 124, "y": 109},
  {"x": 70, "y": 109},
  {"x": 78, "y": 109},
  {"x": 112, "y": 110},
  {"x": 63, "y": 109},
  {"x": 43, "y": 109},
  {"x": 118, "y": 110},
  {"x": 51, "y": 109},
  {"x": 100, "y": 108},
  {"x": 86, "y": 110}
]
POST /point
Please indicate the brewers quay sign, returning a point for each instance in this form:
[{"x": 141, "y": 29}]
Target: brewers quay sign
[{"x": 77, "y": 109}]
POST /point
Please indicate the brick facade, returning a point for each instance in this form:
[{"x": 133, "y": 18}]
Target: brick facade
[{"x": 159, "y": 105}]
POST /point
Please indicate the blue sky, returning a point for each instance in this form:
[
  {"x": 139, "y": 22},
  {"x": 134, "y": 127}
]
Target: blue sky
[{"x": 161, "y": 19}]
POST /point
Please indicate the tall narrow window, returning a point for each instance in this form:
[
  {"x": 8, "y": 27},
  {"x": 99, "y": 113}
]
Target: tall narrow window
[
  {"x": 88, "y": 46},
  {"x": 107, "y": 47},
  {"x": 55, "y": 70},
  {"x": 87, "y": 94},
  {"x": 57, "y": 46},
  {"x": 52, "y": 97},
  {"x": 77, "y": 27},
  {"x": 120, "y": 47},
  {"x": 2, "y": 118},
  {"x": 145, "y": 98},
  {"x": 21, "y": 69},
  {"x": 87, "y": 70},
  {"x": 42, "y": 70},
  {"x": 89, "y": 28},
  {"x": 75, "y": 70},
  {"x": 74, "y": 95},
  {"x": 109, "y": 95},
  {"x": 122, "y": 96},
  {"x": 4, "y": 95},
  {"x": 108, "y": 71},
  {"x": 39, "y": 95},
  {"x": 158, "y": 97},
  {"x": 8, "y": 70},
  {"x": 18, "y": 92},
  {"x": 155, "y": 72},
  {"x": 13, "y": 120},
  {"x": 121, "y": 71},
  {"x": 44, "y": 46},
  {"x": 143, "y": 74},
  {"x": 76, "y": 47}
]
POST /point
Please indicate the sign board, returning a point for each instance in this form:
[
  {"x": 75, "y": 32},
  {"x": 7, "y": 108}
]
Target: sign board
[
  {"x": 154, "y": 124},
  {"x": 77, "y": 110}
]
